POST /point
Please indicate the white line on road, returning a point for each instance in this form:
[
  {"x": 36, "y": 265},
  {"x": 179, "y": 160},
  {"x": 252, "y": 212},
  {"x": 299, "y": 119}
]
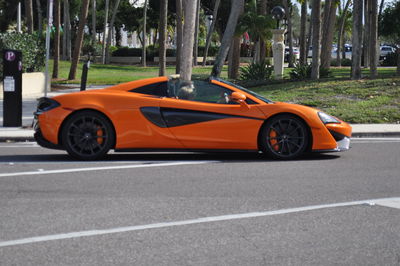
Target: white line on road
[
  {"x": 210, "y": 219},
  {"x": 119, "y": 167}
]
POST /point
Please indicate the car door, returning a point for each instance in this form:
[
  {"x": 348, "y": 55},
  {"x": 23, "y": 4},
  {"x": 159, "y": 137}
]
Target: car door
[{"x": 208, "y": 120}]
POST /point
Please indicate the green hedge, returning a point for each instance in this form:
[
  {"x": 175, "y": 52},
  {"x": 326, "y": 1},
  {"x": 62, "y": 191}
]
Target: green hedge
[{"x": 32, "y": 47}]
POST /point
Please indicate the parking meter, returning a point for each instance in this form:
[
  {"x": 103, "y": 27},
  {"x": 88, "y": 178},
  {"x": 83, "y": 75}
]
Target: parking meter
[{"x": 12, "y": 88}]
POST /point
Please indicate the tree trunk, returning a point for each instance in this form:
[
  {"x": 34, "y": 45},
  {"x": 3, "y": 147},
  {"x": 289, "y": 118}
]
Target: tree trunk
[
  {"x": 110, "y": 31},
  {"x": 103, "y": 54},
  {"x": 234, "y": 58},
  {"x": 144, "y": 63},
  {"x": 356, "y": 39},
  {"x": 303, "y": 39},
  {"x": 341, "y": 32},
  {"x": 398, "y": 61},
  {"x": 367, "y": 33},
  {"x": 210, "y": 32},
  {"x": 236, "y": 7},
  {"x": 57, "y": 11},
  {"x": 309, "y": 39},
  {"x": 29, "y": 15},
  {"x": 179, "y": 36},
  {"x": 187, "y": 45},
  {"x": 382, "y": 4},
  {"x": 163, "y": 37},
  {"x": 316, "y": 38},
  {"x": 196, "y": 34},
  {"x": 79, "y": 39},
  {"x": 94, "y": 22},
  {"x": 326, "y": 47},
  {"x": 263, "y": 49},
  {"x": 289, "y": 32},
  {"x": 373, "y": 38},
  {"x": 40, "y": 20}
]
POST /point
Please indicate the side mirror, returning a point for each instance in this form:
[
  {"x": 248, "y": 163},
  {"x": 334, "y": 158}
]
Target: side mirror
[{"x": 238, "y": 97}]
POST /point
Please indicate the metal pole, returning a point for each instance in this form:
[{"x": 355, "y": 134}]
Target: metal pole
[
  {"x": 19, "y": 18},
  {"x": 49, "y": 24}
]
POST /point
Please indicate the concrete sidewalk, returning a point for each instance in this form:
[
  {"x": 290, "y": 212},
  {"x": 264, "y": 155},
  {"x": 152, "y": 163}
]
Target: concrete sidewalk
[{"x": 359, "y": 131}]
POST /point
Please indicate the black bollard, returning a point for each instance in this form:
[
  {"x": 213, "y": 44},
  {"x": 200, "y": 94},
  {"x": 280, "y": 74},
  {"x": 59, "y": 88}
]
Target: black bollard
[{"x": 85, "y": 69}]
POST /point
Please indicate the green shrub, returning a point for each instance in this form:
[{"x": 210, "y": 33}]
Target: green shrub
[
  {"x": 390, "y": 60},
  {"x": 345, "y": 62},
  {"x": 212, "y": 51},
  {"x": 302, "y": 72},
  {"x": 31, "y": 46},
  {"x": 256, "y": 71}
]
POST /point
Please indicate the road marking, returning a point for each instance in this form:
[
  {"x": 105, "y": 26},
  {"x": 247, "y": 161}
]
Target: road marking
[
  {"x": 210, "y": 219},
  {"x": 391, "y": 203},
  {"x": 119, "y": 167}
]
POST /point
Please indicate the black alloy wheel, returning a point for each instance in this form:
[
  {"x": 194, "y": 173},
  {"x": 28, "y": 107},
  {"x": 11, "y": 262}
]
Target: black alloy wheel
[
  {"x": 284, "y": 137},
  {"x": 88, "y": 135}
]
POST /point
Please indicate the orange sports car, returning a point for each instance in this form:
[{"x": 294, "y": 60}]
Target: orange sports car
[{"x": 166, "y": 113}]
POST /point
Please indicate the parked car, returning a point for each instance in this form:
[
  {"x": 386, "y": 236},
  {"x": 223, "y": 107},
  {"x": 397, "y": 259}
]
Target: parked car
[
  {"x": 296, "y": 54},
  {"x": 385, "y": 50},
  {"x": 166, "y": 113}
]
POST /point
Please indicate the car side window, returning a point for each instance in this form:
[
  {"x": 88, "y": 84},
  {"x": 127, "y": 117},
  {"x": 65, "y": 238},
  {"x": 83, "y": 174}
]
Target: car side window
[
  {"x": 211, "y": 93},
  {"x": 156, "y": 89}
]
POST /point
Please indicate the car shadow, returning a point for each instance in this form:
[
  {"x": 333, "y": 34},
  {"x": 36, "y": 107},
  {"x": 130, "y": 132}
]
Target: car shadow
[{"x": 231, "y": 157}]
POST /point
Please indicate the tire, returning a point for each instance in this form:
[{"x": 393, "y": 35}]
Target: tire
[
  {"x": 284, "y": 137},
  {"x": 88, "y": 135}
]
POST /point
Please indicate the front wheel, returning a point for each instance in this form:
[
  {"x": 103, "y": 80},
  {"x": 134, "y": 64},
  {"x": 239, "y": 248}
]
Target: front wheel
[
  {"x": 284, "y": 137},
  {"x": 88, "y": 135}
]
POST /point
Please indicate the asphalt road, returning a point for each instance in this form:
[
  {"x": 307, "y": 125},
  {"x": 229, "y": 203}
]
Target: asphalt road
[{"x": 200, "y": 209}]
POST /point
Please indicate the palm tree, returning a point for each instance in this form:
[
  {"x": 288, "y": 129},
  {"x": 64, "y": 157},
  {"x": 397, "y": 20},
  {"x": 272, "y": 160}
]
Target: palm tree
[
  {"x": 343, "y": 16},
  {"x": 29, "y": 15},
  {"x": 39, "y": 12},
  {"x": 57, "y": 10},
  {"x": 263, "y": 12},
  {"x": 94, "y": 22},
  {"x": 107, "y": 7},
  {"x": 316, "y": 38},
  {"x": 163, "y": 36},
  {"x": 328, "y": 30},
  {"x": 187, "y": 44},
  {"x": 303, "y": 38},
  {"x": 211, "y": 30},
  {"x": 373, "y": 38},
  {"x": 288, "y": 12},
  {"x": 236, "y": 7},
  {"x": 67, "y": 33},
  {"x": 79, "y": 39},
  {"x": 110, "y": 31},
  {"x": 144, "y": 33},
  {"x": 196, "y": 34},
  {"x": 357, "y": 39},
  {"x": 179, "y": 36}
]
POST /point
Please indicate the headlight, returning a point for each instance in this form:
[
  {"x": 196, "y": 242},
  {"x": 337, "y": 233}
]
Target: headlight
[
  {"x": 326, "y": 119},
  {"x": 46, "y": 104}
]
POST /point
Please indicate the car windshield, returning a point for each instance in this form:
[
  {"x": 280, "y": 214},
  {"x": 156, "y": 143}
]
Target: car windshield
[{"x": 252, "y": 93}]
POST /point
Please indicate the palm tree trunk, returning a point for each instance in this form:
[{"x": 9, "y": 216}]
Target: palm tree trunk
[
  {"x": 110, "y": 32},
  {"x": 398, "y": 61},
  {"x": 374, "y": 38},
  {"x": 263, "y": 49},
  {"x": 316, "y": 38},
  {"x": 179, "y": 36},
  {"x": 107, "y": 7},
  {"x": 196, "y": 34},
  {"x": 163, "y": 36},
  {"x": 236, "y": 7},
  {"x": 356, "y": 39},
  {"x": 326, "y": 48},
  {"x": 210, "y": 32},
  {"x": 144, "y": 34},
  {"x": 79, "y": 39},
  {"x": 57, "y": 10},
  {"x": 289, "y": 32},
  {"x": 187, "y": 45},
  {"x": 341, "y": 32},
  {"x": 94, "y": 22},
  {"x": 303, "y": 39},
  {"x": 39, "y": 12},
  {"x": 234, "y": 58},
  {"x": 29, "y": 15},
  {"x": 367, "y": 33}
]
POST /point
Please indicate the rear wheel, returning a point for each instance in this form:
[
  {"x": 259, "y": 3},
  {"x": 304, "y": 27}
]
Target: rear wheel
[
  {"x": 88, "y": 135},
  {"x": 284, "y": 137}
]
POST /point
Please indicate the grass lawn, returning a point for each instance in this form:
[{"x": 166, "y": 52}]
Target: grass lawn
[{"x": 361, "y": 101}]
